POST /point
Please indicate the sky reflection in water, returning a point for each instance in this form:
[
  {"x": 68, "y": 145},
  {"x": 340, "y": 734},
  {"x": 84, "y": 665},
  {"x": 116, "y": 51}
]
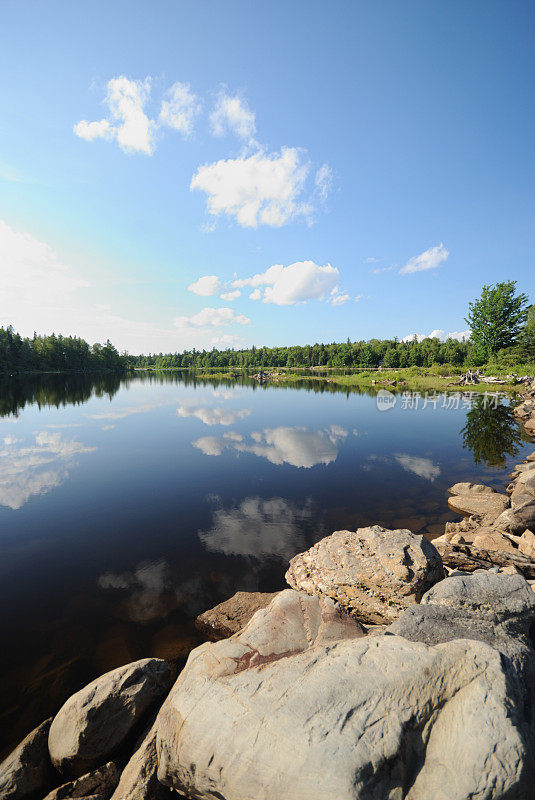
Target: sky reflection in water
[{"x": 127, "y": 509}]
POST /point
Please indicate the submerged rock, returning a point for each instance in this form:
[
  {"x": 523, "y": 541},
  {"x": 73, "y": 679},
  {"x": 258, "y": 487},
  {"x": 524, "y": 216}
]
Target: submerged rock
[
  {"x": 95, "y": 721},
  {"x": 27, "y": 770},
  {"x": 274, "y": 712},
  {"x": 232, "y": 615},
  {"x": 373, "y": 573}
]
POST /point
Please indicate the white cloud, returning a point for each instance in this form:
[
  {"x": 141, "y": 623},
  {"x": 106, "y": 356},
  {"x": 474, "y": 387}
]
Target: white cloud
[
  {"x": 94, "y": 130},
  {"x": 295, "y": 283},
  {"x": 31, "y": 273},
  {"x": 323, "y": 181},
  {"x": 212, "y": 318},
  {"x": 213, "y": 416},
  {"x": 258, "y": 189},
  {"x": 379, "y": 270},
  {"x": 338, "y": 298},
  {"x": 259, "y": 528},
  {"x": 180, "y": 107},
  {"x": 231, "y": 295},
  {"x": 133, "y": 130},
  {"x": 429, "y": 259},
  {"x": 206, "y": 286},
  {"x": 459, "y": 335},
  {"x": 438, "y": 333},
  {"x": 423, "y": 467},
  {"x": 256, "y": 294},
  {"x": 358, "y": 297},
  {"x": 232, "y": 113},
  {"x": 34, "y": 469}
]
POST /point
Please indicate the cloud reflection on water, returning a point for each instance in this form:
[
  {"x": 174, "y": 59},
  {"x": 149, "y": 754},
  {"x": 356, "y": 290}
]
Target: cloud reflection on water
[
  {"x": 33, "y": 469},
  {"x": 259, "y": 528},
  {"x": 296, "y": 446}
]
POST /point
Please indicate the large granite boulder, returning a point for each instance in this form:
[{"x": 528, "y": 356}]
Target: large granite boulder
[
  {"x": 232, "y": 615},
  {"x": 27, "y": 770},
  {"x": 138, "y": 779},
  {"x": 95, "y": 721},
  {"x": 278, "y": 711},
  {"x": 101, "y": 783},
  {"x": 374, "y": 573},
  {"x": 487, "y": 606}
]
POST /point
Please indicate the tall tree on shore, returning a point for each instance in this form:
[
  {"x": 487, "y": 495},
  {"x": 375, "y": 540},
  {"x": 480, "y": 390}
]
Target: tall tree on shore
[{"x": 496, "y": 318}]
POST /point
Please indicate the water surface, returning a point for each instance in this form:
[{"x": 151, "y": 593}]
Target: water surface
[{"x": 128, "y": 507}]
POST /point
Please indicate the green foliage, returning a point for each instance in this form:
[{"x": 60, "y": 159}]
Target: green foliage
[
  {"x": 496, "y": 318},
  {"x": 388, "y": 353},
  {"x": 55, "y": 353}
]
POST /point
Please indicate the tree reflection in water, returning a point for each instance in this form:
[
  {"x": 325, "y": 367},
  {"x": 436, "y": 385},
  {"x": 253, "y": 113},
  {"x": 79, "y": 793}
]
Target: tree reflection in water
[{"x": 491, "y": 432}]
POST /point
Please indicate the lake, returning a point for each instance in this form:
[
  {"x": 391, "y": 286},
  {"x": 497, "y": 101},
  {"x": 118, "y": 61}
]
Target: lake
[{"x": 129, "y": 506}]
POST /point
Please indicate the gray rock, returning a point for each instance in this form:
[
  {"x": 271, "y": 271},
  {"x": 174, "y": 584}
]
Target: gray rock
[
  {"x": 373, "y": 573},
  {"x": 470, "y": 488},
  {"x": 486, "y": 606},
  {"x": 274, "y": 713},
  {"x": 95, "y": 721},
  {"x": 484, "y": 503},
  {"x": 232, "y": 615},
  {"x": 139, "y": 780},
  {"x": 27, "y": 770},
  {"x": 508, "y": 521},
  {"x": 101, "y": 783}
]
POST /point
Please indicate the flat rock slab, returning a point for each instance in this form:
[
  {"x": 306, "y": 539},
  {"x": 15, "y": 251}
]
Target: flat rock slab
[
  {"x": 95, "y": 721},
  {"x": 374, "y": 573},
  {"x": 482, "y": 504},
  {"x": 232, "y": 615},
  {"x": 471, "y": 488},
  {"x": 27, "y": 770},
  {"x": 274, "y": 713}
]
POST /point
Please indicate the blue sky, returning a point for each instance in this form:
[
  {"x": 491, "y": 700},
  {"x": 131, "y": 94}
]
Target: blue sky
[{"x": 361, "y": 169}]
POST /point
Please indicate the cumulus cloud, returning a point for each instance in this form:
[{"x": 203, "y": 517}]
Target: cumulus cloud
[
  {"x": 260, "y": 189},
  {"x": 296, "y": 283},
  {"x": 232, "y": 113},
  {"x": 212, "y": 318},
  {"x": 131, "y": 127},
  {"x": 33, "y": 469},
  {"x": 429, "y": 259},
  {"x": 213, "y": 416},
  {"x": 206, "y": 286},
  {"x": 180, "y": 108},
  {"x": 259, "y": 528},
  {"x": 233, "y": 295},
  {"x": 438, "y": 333},
  {"x": 423, "y": 467}
]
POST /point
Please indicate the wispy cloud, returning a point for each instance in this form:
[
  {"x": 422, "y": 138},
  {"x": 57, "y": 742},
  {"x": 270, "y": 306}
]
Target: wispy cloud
[{"x": 429, "y": 259}]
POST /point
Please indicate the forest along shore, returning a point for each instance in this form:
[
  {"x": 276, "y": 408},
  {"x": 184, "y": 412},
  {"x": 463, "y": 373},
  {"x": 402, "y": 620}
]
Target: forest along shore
[{"x": 359, "y": 647}]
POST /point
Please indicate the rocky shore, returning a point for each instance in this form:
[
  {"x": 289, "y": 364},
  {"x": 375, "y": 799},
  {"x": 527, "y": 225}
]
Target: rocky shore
[{"x": 392, "y": 668}]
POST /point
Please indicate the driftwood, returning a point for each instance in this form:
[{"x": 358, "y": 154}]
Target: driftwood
[{"x": 468, "y": 558}]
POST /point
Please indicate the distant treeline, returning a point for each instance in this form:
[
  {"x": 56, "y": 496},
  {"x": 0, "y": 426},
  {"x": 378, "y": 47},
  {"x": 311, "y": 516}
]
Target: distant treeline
[
  {"x": 386, "y": 352},
  {"x": 51, "y": 353}
]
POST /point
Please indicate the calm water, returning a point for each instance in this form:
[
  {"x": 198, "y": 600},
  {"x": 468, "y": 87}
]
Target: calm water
[{"x": 127, "y": 508}]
